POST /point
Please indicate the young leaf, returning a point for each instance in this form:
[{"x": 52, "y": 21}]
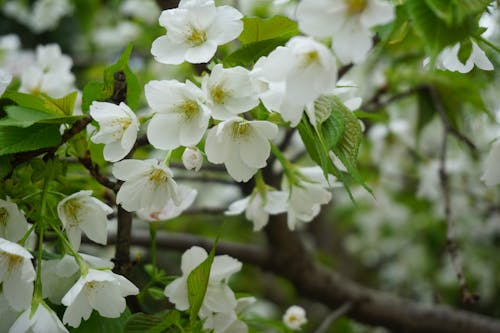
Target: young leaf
[
  {"x": 24, "y": 117},
  {"x": 157, "y": 323},
  {"x": 15, "y": 140},
  {"x": 248, "y": 54},
  {"x": 63, "y": 105},
  {"x": 256, "y": 29},
  {"x": 197, "y": 283}
]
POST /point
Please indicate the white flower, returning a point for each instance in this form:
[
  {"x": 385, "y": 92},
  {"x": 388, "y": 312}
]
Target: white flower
[
  {"x": 13, "y": 224},
  {"x": 219, "y": 297},
  {"x": 59, "y": 275},
  {"x": 225, "y": 322},
  {"x": 258, "y": 207},
  {"x": 171, "y": 210},
  {"x": 294, "y": 317},
  {"x": 7, "y": 314},
  {"x": 44, "y": 320},
  {"x": 50, "y": 74},
  {"x": 306, "y": 197},
  {"x": 448, "y": 59},
  {"x": 348, "y": 22},
  {"x": 292, "y": 77},
  {"x": 16, "y": 274},
  {"x": 194, "y": 30},
  {"x": 113, "y": 37},
  {"x": 146, "y": 10},
  {"x": 148, "y": 185},
  {"x": 101, "y": 290},
  {"x": 181, "y": 118},
  {"x": 118, "y": 127},
  {"x": 491, "y": 175},
  {"x": 243, "y": 146},
  {"x": 46, "y": 14},
  {"x": 82, "y": 212},
  {"x": 229, "y": 92},
  {"x": 192, "y": 159},
  {"x": 5, "y": 79}
]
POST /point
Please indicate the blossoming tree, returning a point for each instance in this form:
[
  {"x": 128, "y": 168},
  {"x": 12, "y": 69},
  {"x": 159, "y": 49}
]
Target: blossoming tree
[{"x": 348, "y": 147}]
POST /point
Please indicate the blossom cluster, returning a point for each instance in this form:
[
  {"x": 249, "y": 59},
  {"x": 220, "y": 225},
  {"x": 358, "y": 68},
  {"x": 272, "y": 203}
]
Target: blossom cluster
[{"x": 214, "y": 117}]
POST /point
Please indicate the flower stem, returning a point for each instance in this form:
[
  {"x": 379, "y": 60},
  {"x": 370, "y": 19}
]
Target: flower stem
[
  {"x": 288, "y": 168},
  {"x": 166, "y": 161},
  {"x": 81, "y": 264},
  {"x": 153, "y": 227}
]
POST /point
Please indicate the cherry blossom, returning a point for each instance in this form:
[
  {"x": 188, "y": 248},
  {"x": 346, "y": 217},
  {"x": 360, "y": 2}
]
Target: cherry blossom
[
  {"x": 194, "y": 30},
  {"x": 16, "y": 274},
  {"x": 192, "y": 159},
  {"x": 294, "y": 317},
  {"x": 101, "y": 290},
  {"x": 448, "y": 59},
  {"x": 242, "y": 145},
  {"x": 181, "y": 118},
  {"x": 82, "y": 212},
  {"x": 13, "y": 224},
  {"x": 43, "y": 320},
  {"x": 148, "y": 185},
  {"x": 219, "y": 297},
  {"x": 348, "y": 22},
  {"x": 187, "y": 196},
  {"x": 229, "y": 92},
  {"x": 118, "y": 127}
]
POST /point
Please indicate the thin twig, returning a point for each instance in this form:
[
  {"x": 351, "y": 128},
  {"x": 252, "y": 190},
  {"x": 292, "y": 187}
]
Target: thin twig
[
  {"x": 332, "y": 317},
  {"x": 94, "y": 171},
  {"x": 451, "y": 246}
]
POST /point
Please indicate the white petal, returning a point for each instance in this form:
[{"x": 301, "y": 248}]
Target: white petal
[
  {"x": 202, "y": 53},
  {"x": 167, "y": 52},
  {"x": 255, "y": 151},
  {"x": 237, "y": 207},
  {"x": 192, "y": 258},
  {"x": 227, "y": 25},
  {"x": 276, "y": 202},
  {"x": 108, "y": 301},
  {"x": 480, "y": 58},
  {"x": 215, "y": 148},
  {"x": 163, "y": 131},
  {"x": 177, "y": 293},
  {"x": 219, "y": 298},
  {"x": 18, "y": 291},
  {"x": 129, "y": 168},
  {"x": 377, "y": 12},
  {"x": 352, "y": 43},
  {"x": 223, "y": 267},
  {"x": 78, "y": 309}
]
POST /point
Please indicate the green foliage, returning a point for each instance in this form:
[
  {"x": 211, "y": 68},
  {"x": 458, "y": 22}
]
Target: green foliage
[
  {"x": 157, "y": 323},
  {"x": 98, "y": 324},
  {"x": 18, "y": 116},
  {"x": 197, "y": 283},
  {"x": 256, "y": 29},
  {"x": 16, "y": 139},
  {"x": 340, "y": 133},
  {"x": 104, "y": 91},
  {"x": 248, "y": 54},
  {"x": 439, "y": 23},
  {"x": 43, "y": 103}
]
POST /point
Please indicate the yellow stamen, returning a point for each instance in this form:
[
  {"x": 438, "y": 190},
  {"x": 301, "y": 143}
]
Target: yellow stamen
[{"x": 355, "y": 6}]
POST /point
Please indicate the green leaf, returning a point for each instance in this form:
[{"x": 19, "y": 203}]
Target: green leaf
[
  {"x": 15, "y": 140},
  {"x": 257, "y": 29},
  {"x": 443, "y": 9},
  {"x": 113, "y": 89},
  {"x": 5, "y": 165},
  {"x": 24, "y": 117},
  {"x": 63, "y": 105},
  {"x": 465, "y": 51},
  {"x": 248, "y": 54},
  {"x": 197, "y": 283},
  {"x": 98, "y": 324},
  {"x": 426, "y": 110},
  {"x": 157, "y": 323},
  {"x": 435, "y": 32}
]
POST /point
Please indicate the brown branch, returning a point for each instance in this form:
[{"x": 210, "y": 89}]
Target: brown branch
[
  {"x": 94, "y": 171},
  {"x": 451, "y": 245},
  {"x": 288, "y": 258}
]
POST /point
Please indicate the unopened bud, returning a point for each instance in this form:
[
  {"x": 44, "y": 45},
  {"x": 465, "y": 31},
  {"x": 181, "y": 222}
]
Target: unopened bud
[{"x": 192, "y": 159}]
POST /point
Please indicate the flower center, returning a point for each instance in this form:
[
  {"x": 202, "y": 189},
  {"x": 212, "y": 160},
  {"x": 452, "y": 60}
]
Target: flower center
[
  {"x": 218, "y": 94},
  {"x": 12, "y": 260},
  {"x": 122, "y": 124},
  {"x": 189, "y": 109},
  {"x": 241, "y": 130},
  {"x": 4, "y": 215},
  {"x": 355, "y": 6},
  {"x": 311, "y": 57},
  {"x": 72, "y": 208},
  {"x": 196, "y": 37},
  {"x": 158, "y": 176}
]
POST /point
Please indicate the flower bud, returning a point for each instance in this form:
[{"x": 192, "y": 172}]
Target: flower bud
[
  {"x": 192, "y": 159},
  {"x": 295, "y": 317}
]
